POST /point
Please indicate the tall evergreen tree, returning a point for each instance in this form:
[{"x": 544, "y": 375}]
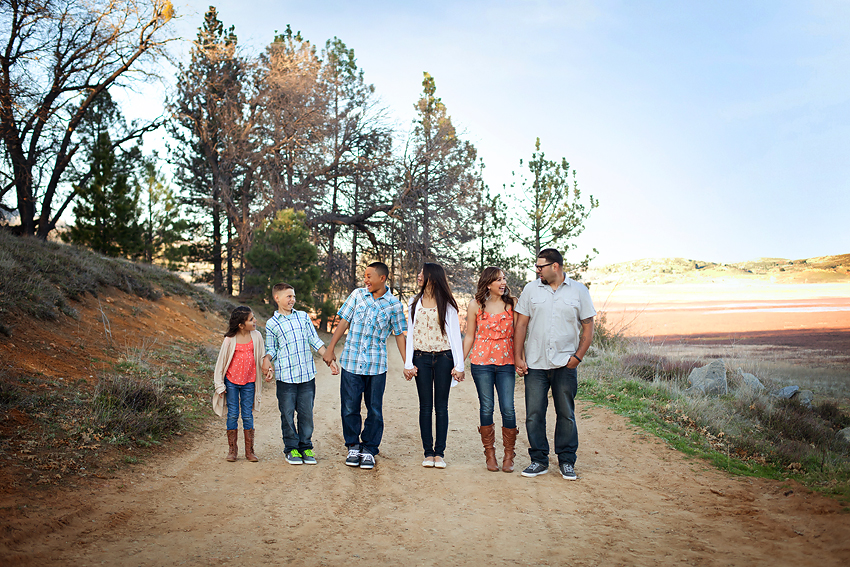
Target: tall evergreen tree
[
  {"x": 209, "y": 128},
  {"x": 552, "y": 213},
  {"x": 106, "y": 209},
  {"x": 440, "y": 185}
]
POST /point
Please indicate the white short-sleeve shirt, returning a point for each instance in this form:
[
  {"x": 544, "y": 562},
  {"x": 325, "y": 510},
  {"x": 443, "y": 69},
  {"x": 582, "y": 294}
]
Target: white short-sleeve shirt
[{"x": 554, "y": 325}]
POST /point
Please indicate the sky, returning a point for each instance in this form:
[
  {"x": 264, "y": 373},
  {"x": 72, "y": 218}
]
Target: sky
[{"x": 716, "y": 131}]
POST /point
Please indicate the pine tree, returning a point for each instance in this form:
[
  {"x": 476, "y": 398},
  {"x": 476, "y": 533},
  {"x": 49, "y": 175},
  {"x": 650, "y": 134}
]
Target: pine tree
[
  {"x": 551, "y": 212},
  {"x": 282, "y": 252},
  {"x": 106, "y": 209}
]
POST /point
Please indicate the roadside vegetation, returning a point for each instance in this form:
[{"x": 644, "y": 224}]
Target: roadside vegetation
[
  {"x": 744, "y": 433},
  {"x": 59, "y": 427}
]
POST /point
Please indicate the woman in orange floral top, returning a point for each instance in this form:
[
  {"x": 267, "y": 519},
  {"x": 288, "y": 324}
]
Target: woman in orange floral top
[{"x": 489, "y": 336}]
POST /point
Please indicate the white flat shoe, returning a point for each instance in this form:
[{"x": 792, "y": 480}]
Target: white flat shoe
[
  {"x": 441, "y": 464},
  {"x": 428, "y": 464}
]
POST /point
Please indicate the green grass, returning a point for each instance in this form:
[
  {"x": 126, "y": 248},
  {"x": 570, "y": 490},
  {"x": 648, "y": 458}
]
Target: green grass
[{"x": 749, "y": 435}]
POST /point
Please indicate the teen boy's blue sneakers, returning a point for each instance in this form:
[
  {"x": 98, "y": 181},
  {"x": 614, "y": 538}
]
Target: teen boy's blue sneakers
[
  {"x": 353, "y": 459},
  {"x": 309, "y": 457},
  {"x": 294, "y": 457}
]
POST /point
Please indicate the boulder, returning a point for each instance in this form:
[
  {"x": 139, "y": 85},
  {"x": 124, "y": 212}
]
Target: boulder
[
  {"x": 844, "y": 435},
  {"x": 787, "y": 392},
  {"x": 750, "y": 381},
  {"x": 709, "y": 380},
  {"x": 805, "y": 397}
]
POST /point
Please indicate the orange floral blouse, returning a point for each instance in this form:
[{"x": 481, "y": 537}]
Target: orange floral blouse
[{"x": 494, "y": 338}]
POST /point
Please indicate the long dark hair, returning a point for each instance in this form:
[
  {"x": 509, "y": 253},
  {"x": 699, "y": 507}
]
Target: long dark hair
[
  {"x": 435, "y": 276},
  {"x": 488, "y": 276},
  {"x": 237, "y": 317}
]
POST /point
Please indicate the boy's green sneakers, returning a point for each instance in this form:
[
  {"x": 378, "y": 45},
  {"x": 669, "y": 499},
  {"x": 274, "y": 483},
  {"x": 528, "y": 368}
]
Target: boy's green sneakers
[
  {"x": 309, "y": 458},
  {"x": 294, "y": 457}
]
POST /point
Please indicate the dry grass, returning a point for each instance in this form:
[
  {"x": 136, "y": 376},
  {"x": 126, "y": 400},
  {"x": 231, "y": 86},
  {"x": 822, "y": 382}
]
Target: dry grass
[{"x": 745, "y": 432}]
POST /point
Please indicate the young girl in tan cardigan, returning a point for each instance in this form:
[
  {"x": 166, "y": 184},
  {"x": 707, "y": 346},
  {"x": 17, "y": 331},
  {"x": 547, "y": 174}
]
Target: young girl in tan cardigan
[{"x": 237, "y": 378}]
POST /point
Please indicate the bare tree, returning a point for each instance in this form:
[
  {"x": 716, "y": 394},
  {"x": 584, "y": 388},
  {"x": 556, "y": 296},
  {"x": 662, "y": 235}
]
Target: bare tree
[{"x": 56, "y": 57}]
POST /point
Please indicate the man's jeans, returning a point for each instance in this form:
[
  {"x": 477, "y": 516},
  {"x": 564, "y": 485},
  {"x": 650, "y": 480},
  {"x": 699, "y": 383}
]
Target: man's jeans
[
  {"x": 292, "y": 398},
  {"x": 503, "y": 379},
  {"x": 564, "y": 384},
  {"x": 353, "y": 388},
  {"x": 239, "y": 396},
  {"x": 433, "y": 382}
]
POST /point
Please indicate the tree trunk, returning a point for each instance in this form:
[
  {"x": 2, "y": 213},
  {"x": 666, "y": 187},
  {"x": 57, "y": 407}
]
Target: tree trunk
[
  {"x": 229, "y": 257},
  {"x": 218, "y": 286}
]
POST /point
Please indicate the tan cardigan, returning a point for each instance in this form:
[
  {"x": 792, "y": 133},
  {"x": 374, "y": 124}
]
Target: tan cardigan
[{"x": 225, "y": 355}]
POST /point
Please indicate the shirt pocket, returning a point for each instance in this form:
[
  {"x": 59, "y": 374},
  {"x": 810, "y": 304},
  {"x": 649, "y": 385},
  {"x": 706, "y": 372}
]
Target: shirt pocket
[
  {"x": 382, "y": 320},
  {"x": 566, "y": 309},
  {"x": 538, "y": 304},
  {"x": 360, "y": 313}
]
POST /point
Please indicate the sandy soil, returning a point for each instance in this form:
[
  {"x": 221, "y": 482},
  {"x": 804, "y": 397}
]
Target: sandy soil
[{"x": 637, "y": 502}]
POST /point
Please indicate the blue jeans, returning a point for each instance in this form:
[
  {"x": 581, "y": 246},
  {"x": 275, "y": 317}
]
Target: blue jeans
[
  {"x": 564, "y": 384},
  {"x": 433, "y": 382},
  {"x": 369, "y": 388},
  {"x": 502, "y": 379},
  {"x": 239, "y": 396},
  {"x": 292, "y": 398}
]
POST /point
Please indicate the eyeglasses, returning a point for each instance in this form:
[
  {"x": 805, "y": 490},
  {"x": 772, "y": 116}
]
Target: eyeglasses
[{"x": 541, "y": 266}]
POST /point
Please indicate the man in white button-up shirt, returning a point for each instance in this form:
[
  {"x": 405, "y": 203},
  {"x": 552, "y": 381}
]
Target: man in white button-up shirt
[{"x": 553, "y": 332}]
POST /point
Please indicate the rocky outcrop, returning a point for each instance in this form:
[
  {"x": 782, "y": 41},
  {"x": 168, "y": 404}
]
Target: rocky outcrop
[{"x": 709, "y": 380}]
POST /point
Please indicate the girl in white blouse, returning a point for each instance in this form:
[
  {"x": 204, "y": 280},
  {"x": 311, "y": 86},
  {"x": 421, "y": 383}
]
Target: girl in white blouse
[{"x": 434, "y": 357}]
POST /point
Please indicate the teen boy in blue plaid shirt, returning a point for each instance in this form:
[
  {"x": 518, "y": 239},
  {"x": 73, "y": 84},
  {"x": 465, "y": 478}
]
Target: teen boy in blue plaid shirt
[
  {"x": 370, "y": 314},
  {"x": 289, "y": 336}
]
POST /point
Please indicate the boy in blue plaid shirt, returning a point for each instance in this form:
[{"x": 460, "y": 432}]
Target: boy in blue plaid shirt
[
  {"x": 371, "y": 314},
  {"x": 289, "y": 336}
]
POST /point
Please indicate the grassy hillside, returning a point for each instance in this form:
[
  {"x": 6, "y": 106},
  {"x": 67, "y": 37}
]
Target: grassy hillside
[
  {"x": 825, "y": 269},
  {"x": 101, "y": 360},
  {"x": 45, "y": 279}
]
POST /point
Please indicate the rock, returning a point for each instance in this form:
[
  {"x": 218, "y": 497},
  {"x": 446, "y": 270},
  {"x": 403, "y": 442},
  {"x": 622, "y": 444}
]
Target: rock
[
  {"x": 787, "y": 392},
  {"x": 805, "y": 397},
  {"x": 844, "y": 435},
  {"x": 751, "y": 381},
  {"x": 709, "y": 380}
]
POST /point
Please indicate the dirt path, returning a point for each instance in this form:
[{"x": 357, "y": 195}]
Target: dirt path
[{"x": 637, "y": 502}]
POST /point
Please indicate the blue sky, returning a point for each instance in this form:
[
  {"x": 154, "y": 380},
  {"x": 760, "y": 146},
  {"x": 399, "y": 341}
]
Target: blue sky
[{"x": 708, "y": 130}]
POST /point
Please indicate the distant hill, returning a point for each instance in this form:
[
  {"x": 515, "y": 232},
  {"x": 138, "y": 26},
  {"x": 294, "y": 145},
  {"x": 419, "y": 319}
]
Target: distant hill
[{"x": 824, "y": 269}]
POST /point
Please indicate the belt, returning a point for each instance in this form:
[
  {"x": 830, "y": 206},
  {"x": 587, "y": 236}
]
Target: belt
[{"x": 421, "y": 352}]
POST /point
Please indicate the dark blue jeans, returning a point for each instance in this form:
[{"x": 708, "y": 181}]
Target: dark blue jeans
[
  {"x": 292, "y": 398},
  {"x": 353, "y": 388},
  {"x": 433, "y": 382},
  {"x": 502, "y": 379},
  {"x": 239, "y": 397},
  {"x": 564, "y": 384}
]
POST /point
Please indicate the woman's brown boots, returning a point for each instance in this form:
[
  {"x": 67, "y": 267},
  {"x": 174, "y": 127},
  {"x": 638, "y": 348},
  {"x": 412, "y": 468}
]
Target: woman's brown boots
[
  {"x": 233, "y": 449},
  {"x": 509, "y": 440},
  {"x": 488, "y": 438},
  {"x": 249, "y": 446}
]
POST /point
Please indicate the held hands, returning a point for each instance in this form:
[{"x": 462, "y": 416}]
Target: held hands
[
  {"x": 334, "y": 367},
  {"x": 521, "y": 367},
  {"x": 329, "y": 358},
  {"x": 458, "y": 375},
  {"x": 409, "y": 373},
  {"x": 268, "y": 370}
]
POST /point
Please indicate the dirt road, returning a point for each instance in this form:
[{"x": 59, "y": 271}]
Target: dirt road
[{"x": 637, "y": 502}]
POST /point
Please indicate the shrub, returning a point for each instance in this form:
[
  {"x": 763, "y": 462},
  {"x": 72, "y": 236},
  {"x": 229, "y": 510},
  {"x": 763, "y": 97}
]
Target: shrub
[
  {"x": 130, "y": 408},
  {"x": 649, "y": 367}
]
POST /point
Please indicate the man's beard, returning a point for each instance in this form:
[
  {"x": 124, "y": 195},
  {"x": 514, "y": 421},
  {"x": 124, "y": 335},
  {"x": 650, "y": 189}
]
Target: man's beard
[{"x": 543, "y": 280}]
